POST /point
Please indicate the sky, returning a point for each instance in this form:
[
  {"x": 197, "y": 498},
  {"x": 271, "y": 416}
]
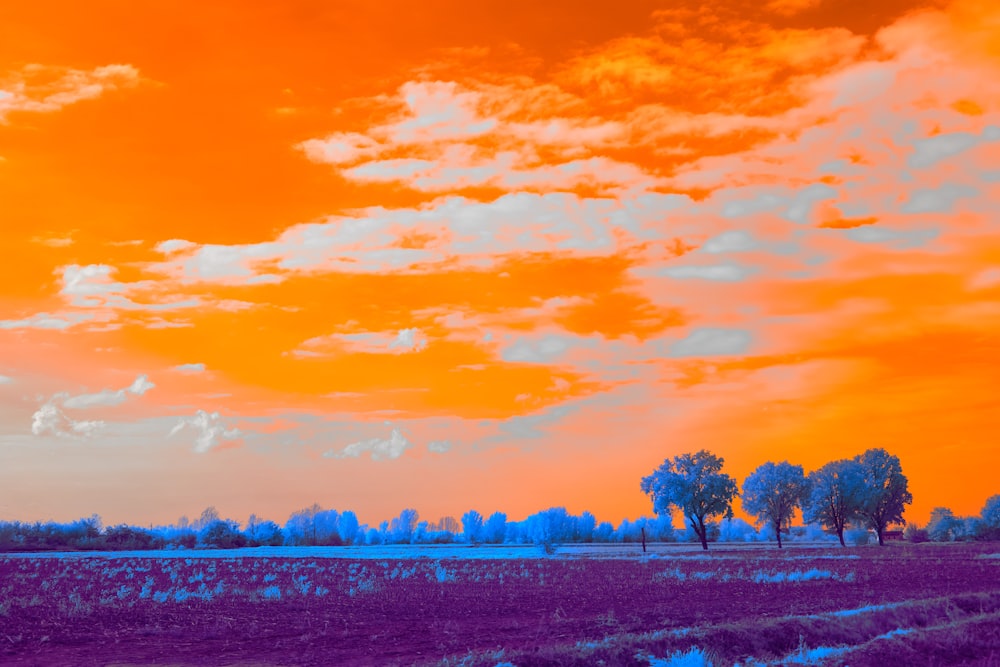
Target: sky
[{"x": 494, "y": 255}]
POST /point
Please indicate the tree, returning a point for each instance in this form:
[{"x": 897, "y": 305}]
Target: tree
[
  {"x": 209, "y": 515},
  {"x": 773, "y": 491},
  {"x": 988, "y": 527},
  {"x": 885, "y": 494},
  {"x": 495, "y": 528},
  {"x": 694, "y": 484},
  {"x": 302, "y": 527},
  {"x": 835, "y": 497},
  {"x": 349, "y": 527},
  {"x": 222, "y": 533},
  {"x": 991, "y": 511},
  {"x": 472, "y": 526},
  {"x": 943, "y": 525},
  {"x": 583, "y": 531},
  {"x": 262, "y": 533},
  {"x": 403, "y": 526}
]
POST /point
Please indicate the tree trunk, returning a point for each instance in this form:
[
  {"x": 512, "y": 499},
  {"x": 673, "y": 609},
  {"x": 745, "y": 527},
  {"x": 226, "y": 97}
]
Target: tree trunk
[
  {"x": 702, "y": 533},
  {"x": 840, "y": 534},
  {"x": 777, "y": 532},
  {"x": 643, "y": 539},
  {"x": 878, "y": 531}
]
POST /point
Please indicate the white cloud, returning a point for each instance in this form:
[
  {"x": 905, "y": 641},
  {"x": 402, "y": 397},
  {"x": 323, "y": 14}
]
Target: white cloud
[
  {"x": 803, "y": 201},
  {"x": 409, "y": 340},
  {"x": 439, "y": 446},
  {"x": 731, "y": 241},
  {"x": 48, "y": 321},
  {"x": 762, "y": 203},
  {"x": 140, "y": 386},
  {"x": 368, "y": 342},
  {"x": 6, "y": 380},
  {"x": 454, "y": 227},
  {"x": 190, "y": 368},
  {"x": 340, "y": 148},
  {"x": 545, "y": 349},
  {"x": 441, "y": 125},
  {"x": 710, "y": 341},
  {"x": 937, "y": 200},
  {"x": 90, "y": 285},
  {"x": 380, "y": 448},
  {"x": 716, "y": 272},
  {"x": 41, "y": 89},
  {"x": 438, "y": 110},
  {"x": 50, "y": 420},
  {"x": 174, "y": 245},
  {"x": 928, "y": 152},
  {"x": 107, "y": 397},
  {"x": 94, "y": 298},
  {"x": 904, "y": 238},
  {"x": 209, "y": 427}
]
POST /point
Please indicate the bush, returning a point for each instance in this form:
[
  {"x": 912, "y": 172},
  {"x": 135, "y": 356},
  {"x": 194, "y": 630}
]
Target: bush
[
  {"x": 914, "y": 534},
  {"x": 222, "y": 534},
  {"x": 127, "y": 538},
  {"x": 859, "y": 537}
]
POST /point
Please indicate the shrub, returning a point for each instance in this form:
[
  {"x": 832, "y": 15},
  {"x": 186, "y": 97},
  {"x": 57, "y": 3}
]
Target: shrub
[
  {"x": 859, "y": 537},
  {"x": 222, "y": 535},
  {"x": 914, "y": 534}
]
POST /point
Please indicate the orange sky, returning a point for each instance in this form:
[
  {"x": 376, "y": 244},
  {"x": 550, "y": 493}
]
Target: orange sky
[{"x": 455, "y": 256}]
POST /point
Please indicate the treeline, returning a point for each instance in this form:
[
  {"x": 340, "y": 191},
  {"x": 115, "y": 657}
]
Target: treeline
[
  {"x": 315, "y": 526},
  {"x": 843, "y": 500}
]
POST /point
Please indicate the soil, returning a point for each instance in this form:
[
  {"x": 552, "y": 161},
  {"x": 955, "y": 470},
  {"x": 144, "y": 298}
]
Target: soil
[{"x": 98, "y": 611}]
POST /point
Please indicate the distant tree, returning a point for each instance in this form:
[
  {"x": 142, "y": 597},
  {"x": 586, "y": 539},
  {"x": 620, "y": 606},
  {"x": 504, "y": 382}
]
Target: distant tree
[
  {"x": 349, "y": 527},
  {"x": 914, "y": 533},
  {"x": 736, "y": 530},
  {"x": 835, "y": 497},
  {"x": 583, "y": 531},
  {"x": 627, "y": 531},
  {"x": 302, "y": 527},
  {"x": 222, "y": 534},
  {"x": 495, "y": 529},
  {"x": 186, "y": 539},
  {"x": 326, "y": 526},
  {"x": 127, "y": 538},
  {"x": 420, "y": 533},
  {"x": 446, "y": 524},
  {"x": 885, "y": 495},
  {"x": 261, "y": 533},
  {"x": 988, "y": 526},
  {"x": 604, "y": 531},
  {"x": 991, "y": 511},
  {"x": 772, "y": 492},
  {"x": 695, "y": 484},
  {"x": 943, "y": 525},
  {"x": 209, "y": 515},
  {"x": 472, "y": 526},
  {"x": 401, "y": 529}
]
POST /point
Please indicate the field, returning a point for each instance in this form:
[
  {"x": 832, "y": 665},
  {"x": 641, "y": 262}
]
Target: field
[{"x": 902, "y": 604}]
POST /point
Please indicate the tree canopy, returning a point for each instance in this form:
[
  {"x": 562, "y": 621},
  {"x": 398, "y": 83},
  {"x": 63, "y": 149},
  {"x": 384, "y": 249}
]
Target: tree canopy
[
  {"x": 835, "y": 495},
  {"x": 695, "y": 484},
  {"x": 885, "y": 495},
  {"x": 773, "y": 491}
]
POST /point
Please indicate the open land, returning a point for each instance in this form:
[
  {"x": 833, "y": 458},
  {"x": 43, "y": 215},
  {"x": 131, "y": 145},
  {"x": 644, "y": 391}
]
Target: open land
[{"x": 901, "y": 604}]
